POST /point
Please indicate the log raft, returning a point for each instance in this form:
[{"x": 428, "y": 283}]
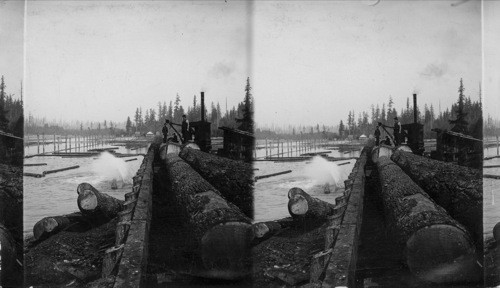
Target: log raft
[
  {"x": 437, "y": 248},
  {"x": 221, "y": 233}
]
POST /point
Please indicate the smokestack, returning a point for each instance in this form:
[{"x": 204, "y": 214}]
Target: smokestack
[
  {"x": 415, "y": 116},
  {"x": 202, "y": 106}
]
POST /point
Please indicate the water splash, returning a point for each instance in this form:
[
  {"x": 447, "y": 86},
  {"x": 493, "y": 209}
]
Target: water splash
[
  {"x": 322, "y": 172},
  {"x": 109, "y": 167}
]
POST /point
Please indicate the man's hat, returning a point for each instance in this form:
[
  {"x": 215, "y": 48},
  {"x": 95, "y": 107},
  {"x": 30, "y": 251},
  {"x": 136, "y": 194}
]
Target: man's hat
[
  {"x": 396, "y": 118},
  {"x": 184, "y": 116}
]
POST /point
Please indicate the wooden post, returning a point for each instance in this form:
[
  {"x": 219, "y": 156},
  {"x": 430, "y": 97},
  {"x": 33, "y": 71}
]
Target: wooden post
[
  {"x": 54, "y": 143},
  {"x": 498, "y": 146},
  {"x": 70, "y": 143},
  {"x": 43, "y": 142},
  {"x": 38, "y": 143},
  {"x": 266, "y": 147}
]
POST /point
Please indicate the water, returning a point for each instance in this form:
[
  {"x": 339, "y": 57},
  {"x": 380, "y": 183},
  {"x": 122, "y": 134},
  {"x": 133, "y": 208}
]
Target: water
[
  {"x": 491, "y": 194},
  {"x": 55, "y": 194},
  {"x": 270, "y": 194}
]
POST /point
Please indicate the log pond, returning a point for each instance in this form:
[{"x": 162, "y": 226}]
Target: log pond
[{"x": 55, "y": 194}]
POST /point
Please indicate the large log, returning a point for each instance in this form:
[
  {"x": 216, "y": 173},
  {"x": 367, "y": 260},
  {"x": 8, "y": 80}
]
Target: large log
[
  {"x": 97, "y": 205},
  {"x": 52, "y": 225},
  {"x": 234, "y": 179},
  {"x": 220, "y": 232},
  {"x": 303, "y": 206},
  {"x": 437, "y": 248},
  {"x": 457, "y": 189},
  {"x": 264, "y": 230}
]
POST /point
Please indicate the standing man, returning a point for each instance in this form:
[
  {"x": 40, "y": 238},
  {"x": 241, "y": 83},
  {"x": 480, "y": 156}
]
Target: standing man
[
  {"x": 164, "y": 130},
  {"x": 185, "y": 129},
  {"x": 397, "y": 132},
  {"x": 377, "y": 135}
]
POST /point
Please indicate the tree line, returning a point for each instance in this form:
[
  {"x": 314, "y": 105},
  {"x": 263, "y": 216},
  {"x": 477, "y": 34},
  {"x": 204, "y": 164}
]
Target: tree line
[
  {"x": 11, "y": 125},
  {"x": 464, "y": 116},
  {"x": 152, "y": 119}
]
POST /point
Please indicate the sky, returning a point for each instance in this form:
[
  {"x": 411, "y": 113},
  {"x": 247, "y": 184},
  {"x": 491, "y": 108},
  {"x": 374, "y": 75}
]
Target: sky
[
  {"x": 11, "y": 45},
  {"x": 309, "y": 62},
  {"x": 316, "y": 61},
  {"x": 91, "y": 60}
]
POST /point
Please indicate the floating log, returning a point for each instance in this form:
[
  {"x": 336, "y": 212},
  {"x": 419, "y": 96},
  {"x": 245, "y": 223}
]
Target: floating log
[
  {"x": 272, "y": 174},
  {"x": 60, "y": 170},
  {"x": 34, "y": 164},
  {"x": 233, "y": 179},
  {"x": 437, "y": 248},
  {"x": 133, "y": 159},
  {"x": 36, "y": 175},
  {"x": 492, "y": 157},
  {"x": 302, "y": 205},
  {"x": 491, "y": 176},
  {"x": 316, "y": 153},
  {"x": 97, "y": 205},
  {"x": 345, "y": 163},
  {"x": 221, "y": 233},
  {"x": 457, "y": 189},
  {"x": 264, "y": 230},
  {"x": 49, "y": 226}
]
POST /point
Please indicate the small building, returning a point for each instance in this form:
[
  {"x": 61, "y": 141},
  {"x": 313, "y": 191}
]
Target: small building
[
  {"x": 150, "y": 134},
  {"x": 237, "y": 144},
  {"x": 460, "y": 148},
  {"x": 363, "y": 137}
]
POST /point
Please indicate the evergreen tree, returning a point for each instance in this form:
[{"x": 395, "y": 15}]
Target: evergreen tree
[
  {"x": 247, "y": 120},
  {"x": 128, "y": 126},
  {"x": 4, "y": 122},
  {"x": 460, "y": 123}
]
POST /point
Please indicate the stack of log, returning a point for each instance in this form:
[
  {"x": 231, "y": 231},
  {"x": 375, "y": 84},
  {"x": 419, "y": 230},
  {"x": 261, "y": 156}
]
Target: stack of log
[{"x": 437, "y": 247}]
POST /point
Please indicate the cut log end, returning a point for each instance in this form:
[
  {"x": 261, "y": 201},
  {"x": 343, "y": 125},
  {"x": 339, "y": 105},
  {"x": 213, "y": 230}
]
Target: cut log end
[
  {"x": 88, "y": 200},
  {"x": 44, "y": 226},
  {"x": 441, "y": 254},
  {"x": 298, "y": 205},
  {"x": 225, "y": 250},
  {"x": 260, "y": 229}
]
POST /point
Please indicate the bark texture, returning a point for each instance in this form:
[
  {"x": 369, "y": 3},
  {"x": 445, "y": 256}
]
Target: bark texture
[
  {"x": 96, "y": 205},
  {"x": 437, "y": 248},
  {"x": 457, "y": 189},
  {"x": 233, "y": 179},
  {"x": 264, "y": 230},
  {"x": 48, "y": 226},
  {"x": 221, "y": 233},
  {"x": 303, "y": 206}
]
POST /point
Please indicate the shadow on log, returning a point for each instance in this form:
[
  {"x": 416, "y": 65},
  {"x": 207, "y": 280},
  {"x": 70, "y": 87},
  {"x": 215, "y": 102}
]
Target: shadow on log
[
  {"x": 233, "y": 179},
  {"x": 457, "y": 189},
  {"x": 437, "y": 248},
  {"x": 8, "y": 259},
  {"x": 220, "y": 232}
]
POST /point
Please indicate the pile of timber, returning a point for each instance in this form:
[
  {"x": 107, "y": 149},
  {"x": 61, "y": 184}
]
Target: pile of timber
[
  {"x": 437, "y": 247},
  {"x": 457, "y": 189},
  {"x": 234, "y": 179},
  {"x": 220, "y": 232}
]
